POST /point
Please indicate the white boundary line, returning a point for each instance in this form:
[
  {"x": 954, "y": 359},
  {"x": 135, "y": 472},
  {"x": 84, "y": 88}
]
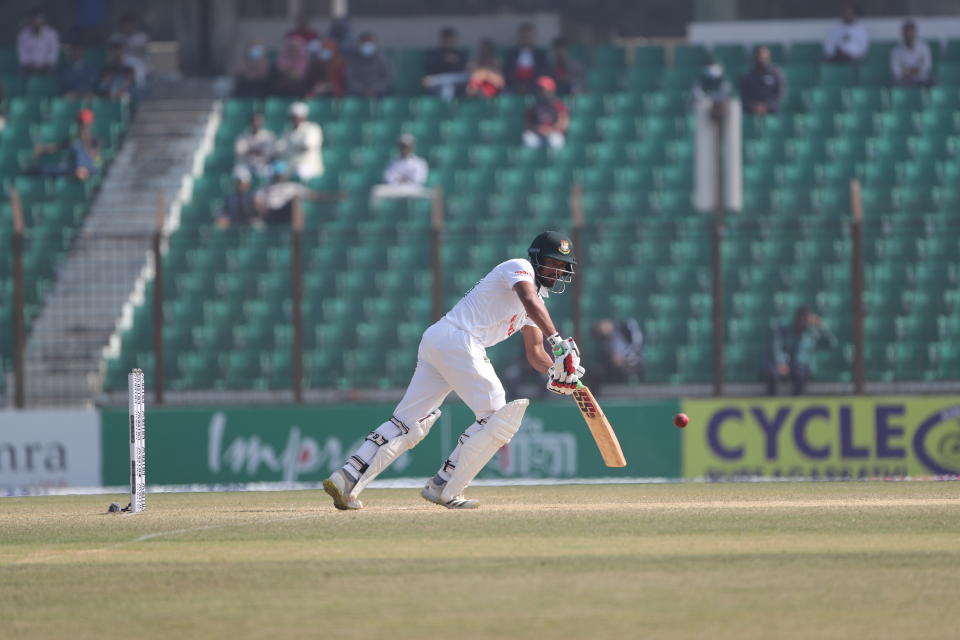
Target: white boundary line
[{"x": 416, "y": 483}]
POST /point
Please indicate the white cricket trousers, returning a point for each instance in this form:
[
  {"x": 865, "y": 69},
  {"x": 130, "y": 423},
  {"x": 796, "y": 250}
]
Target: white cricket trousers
[{"x": 450, "y": 359}]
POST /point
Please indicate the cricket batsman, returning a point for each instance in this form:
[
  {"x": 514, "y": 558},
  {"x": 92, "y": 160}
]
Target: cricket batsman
[{"x": 452, "y": 357}]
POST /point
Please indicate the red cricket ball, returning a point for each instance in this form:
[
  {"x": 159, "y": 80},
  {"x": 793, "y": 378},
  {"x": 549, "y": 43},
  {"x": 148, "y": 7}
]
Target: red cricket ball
[{"x": 681, "y": 420}]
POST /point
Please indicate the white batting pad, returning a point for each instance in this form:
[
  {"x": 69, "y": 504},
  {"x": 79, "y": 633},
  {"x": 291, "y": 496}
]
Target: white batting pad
[
  {"x": 476, "y": 452},
  {"x": 389, "y": 450}
]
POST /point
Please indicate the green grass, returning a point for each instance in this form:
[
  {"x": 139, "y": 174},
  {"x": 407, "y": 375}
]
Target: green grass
[{"x": 838, "y": 560}]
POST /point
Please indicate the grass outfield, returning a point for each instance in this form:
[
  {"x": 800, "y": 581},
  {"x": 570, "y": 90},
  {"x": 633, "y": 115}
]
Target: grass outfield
[{"x": 818, "y": 560}]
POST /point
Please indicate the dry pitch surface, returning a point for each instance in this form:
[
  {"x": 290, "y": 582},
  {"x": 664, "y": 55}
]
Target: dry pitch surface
[{"x": 838, "y": 560}]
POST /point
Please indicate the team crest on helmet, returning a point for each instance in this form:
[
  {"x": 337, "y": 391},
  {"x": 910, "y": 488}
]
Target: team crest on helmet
[{"x": 564, "y": 247}]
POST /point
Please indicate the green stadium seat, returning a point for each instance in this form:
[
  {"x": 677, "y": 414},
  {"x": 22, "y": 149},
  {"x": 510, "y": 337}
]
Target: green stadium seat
[
  {"x": 838, "y": 75},
  {"x": 648, "y": 57},
  {"x": 692, "y": 56},
  {"x": 944, "y": 98},
  {"x": 801, "y": 76},
  {"x": 805, "y": 53},
  {"x": 892, "y": 124},
  {"x": 695, "y": 363},
  {"x": 733, "y": 57}
]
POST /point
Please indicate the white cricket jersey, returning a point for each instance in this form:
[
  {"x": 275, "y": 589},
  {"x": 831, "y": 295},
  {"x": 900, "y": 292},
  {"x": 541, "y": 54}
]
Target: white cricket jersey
[{"x": 491, "y": 311}]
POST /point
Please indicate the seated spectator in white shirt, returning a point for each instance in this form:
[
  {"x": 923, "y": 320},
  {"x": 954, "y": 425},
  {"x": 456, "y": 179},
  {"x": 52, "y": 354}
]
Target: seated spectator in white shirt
[
  {"x": 300, "y": 144},
  {"x": 409, "y": 168},
  {"x": 254, "y": 147},
  {"x": 910, "y": 61},
  {"x": 38, "y": 45},
  {"x": 404, "y": 177},
  {"x": 849, "y": 40}
]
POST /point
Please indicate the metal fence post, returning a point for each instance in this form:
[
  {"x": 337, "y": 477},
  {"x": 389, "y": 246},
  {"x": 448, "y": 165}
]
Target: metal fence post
[
  {"x": 716, "y": 256},
  {"x": 577, "y": 216},
  {"x": 856, "y": 285},
  {"x": 296, "y": 293},
  {"x": 19, "y": 321},
  {"x": 436, "y": 237}
]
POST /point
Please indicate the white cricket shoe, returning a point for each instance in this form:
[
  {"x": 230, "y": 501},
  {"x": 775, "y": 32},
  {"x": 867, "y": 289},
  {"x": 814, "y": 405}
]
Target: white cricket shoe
[
  {"x": 432, "y": 490},
  {"x": 338, "y": 486}
]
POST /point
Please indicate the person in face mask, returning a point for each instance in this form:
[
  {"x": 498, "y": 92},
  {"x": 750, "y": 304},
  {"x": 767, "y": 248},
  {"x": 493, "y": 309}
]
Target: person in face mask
[
  {"x": 253, "y": 72},
  {"x": 327, "y": 71},
  {"x": 368, "y": 72}
]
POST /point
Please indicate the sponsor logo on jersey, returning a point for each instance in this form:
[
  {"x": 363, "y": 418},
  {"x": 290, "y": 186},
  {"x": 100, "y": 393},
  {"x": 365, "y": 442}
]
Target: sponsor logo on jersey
[
  {"x": 523, "y": 273},
  {"x": 513, "y": 325},
  {"x": 564, "y": 247}
]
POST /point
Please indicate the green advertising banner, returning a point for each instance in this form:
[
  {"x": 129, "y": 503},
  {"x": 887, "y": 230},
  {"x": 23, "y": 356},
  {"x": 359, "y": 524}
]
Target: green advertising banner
[
  {"x": 304, "y": 444},
  {"x": 822, "y": 437}
]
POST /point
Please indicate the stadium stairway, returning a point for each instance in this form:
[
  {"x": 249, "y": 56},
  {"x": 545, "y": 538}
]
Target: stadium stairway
[{"x": 64, "y": 348}]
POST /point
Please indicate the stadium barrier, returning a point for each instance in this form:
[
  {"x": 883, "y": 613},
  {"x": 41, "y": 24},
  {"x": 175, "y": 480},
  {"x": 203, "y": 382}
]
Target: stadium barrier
[
  {"x": 220, "y": 446},
  {"x": 810, "y": 438},
  {"x": 822, "y": 438}
]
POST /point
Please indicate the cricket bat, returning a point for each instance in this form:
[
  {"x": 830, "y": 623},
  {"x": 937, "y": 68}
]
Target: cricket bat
[{"x": 600, "y": 428}]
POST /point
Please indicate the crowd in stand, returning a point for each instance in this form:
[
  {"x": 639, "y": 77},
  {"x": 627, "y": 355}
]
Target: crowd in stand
[
  {"x": 762, "y": 89},
  {"x": 307, "y": 64},
  {"x": 122, "y": 74},
  {"x": 40, "y": 51}
]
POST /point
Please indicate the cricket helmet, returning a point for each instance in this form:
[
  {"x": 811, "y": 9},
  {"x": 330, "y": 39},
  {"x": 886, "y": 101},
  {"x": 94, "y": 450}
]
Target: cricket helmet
[{"x": 556, "y": 245}]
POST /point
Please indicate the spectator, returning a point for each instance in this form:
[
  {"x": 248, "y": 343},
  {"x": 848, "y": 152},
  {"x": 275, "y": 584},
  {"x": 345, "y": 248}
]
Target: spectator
[
  {"x": 239, "y": 207},
  {"x": 567, "y": 71},
  {"x": 82, "y": 152},
  {"x": 486, "y": 73},
  {"x": 38, "y": 44},
  {"x": 849, "y": 40},
  {"x": 300, "y": 145},
  {"x": 404, "y": 177},
  {"x": 301, "y": 29},
  {"x": 275, "y": 202},
  {"x": 910, "y": 61},
  {"x": 762, "y": 89},
  {"x": 117, "y": 79},
  {"x": 78, "y": 78},
  {"x": 292, "y": 66},
  {"x": 791, "y": 350},
  {"x": 445, "y": 68},
  {"x": 525, "y": 62},
  {"x": 620, "y": 357},
  {"x": 255, "y": 147},
  {"x": 134, "y": 41},
  {"x": 409, "y": 168},
  {"x": 253, "y": 73},
  {"x": 327, "y": 74},
  {"x": 547, "y": 119},
  {"x": 368, "y": 73}
]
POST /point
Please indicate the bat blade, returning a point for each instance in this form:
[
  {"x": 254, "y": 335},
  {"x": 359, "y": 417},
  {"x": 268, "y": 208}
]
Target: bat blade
[{"x": 600, "y": 428}]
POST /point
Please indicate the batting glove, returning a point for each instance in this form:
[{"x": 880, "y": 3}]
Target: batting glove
[
  {"x": 561, "y": 388},
  {"x": 566, "y": 358}
]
